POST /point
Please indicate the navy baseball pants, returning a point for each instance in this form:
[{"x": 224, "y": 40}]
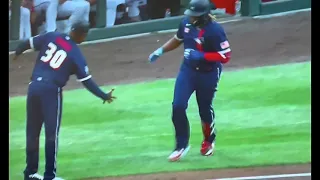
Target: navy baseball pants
[
  {"x": 205, "y": 85},
  {"x": 44, "y": 105}
]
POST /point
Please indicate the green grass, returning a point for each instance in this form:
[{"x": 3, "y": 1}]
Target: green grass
[{"x": 263, "y": 118}]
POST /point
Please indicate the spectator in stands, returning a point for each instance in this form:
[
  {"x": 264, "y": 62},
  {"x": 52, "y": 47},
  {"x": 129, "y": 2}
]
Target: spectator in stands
[
  {"x": 122, "y": 15},
  {"x": 132, "y": 11},
  {"x": 143, "y": 7},
  {"x": 111, "y": 12},
  {"x": 71, "y": 10},
  {"x": 93, "y": 13},
  {"x": 121, "y": 11}
]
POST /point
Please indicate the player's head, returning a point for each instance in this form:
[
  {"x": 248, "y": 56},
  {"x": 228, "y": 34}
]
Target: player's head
[
  {"x": 79, "y": 31},
  {"x": 198, "y": 12}
]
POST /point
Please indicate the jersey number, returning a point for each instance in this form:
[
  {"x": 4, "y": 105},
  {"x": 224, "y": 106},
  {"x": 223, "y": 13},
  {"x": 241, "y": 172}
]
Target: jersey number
[{"x": 55, "y": 57}]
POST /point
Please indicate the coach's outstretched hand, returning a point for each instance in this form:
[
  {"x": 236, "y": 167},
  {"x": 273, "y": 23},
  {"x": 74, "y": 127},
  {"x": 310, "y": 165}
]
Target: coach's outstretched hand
[{"x": 110, "y": 97}]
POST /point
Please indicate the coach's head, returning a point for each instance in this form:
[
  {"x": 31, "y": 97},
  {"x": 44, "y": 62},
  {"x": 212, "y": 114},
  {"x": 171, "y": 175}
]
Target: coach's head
[
  {"x": 79, "y": 31},
  {"x": 199, "y": 12}
]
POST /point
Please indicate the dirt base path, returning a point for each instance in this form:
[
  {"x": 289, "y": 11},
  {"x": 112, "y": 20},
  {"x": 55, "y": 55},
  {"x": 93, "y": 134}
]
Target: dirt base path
[
  {"x": 224, "y": 173},
  {"x": 254, "y": 43}
]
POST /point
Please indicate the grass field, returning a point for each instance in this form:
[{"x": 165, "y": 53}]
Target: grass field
[{"x": 263, "y": 117}]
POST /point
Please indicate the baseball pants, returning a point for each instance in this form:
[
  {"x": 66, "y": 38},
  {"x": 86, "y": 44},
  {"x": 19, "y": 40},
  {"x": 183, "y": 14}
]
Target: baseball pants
[
  {"x": 44, "y": 106},
  {"x": 205, "y": 85}
]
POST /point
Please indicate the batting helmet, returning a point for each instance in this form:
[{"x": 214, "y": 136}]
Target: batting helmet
[{"x": 198, "y": 8}]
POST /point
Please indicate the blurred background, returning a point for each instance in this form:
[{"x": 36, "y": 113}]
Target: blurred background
[{"x": 32, "y": 15}]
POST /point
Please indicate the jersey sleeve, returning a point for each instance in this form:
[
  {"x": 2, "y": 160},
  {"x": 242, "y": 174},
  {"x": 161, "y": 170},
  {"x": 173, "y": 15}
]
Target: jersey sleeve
[
  {"x": 221, "y": 48},
  {"x": 81, "y": 68},
  {"x": 179, "y": 35},
  {"x": 221, "y": 44},
  {"x": 37, "y": 41}
]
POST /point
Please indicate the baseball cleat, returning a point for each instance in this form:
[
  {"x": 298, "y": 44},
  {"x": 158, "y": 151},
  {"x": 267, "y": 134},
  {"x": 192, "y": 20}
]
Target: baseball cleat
[
  {"x": 34, "y": 176},
  {"x": 207, "y": 149},
  {"x": 177, "y": 154}
]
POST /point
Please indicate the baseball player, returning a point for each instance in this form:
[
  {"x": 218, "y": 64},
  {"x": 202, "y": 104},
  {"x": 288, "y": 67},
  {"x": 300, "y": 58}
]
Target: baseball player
[
  {"x": 59, "y": 57},
  {"x": 77, "y": 10},
  {"x": 206, "y": 48}
]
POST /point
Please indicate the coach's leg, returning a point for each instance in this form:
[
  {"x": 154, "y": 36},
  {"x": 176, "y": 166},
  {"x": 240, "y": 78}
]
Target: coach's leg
[
  {"x": 52, "y": 118},
  {"x": 205, "y": 92},
  {"x": 184, "y": 87},
  {"x": 33, "y": 128},
  {"x": 51, "y": 15}
]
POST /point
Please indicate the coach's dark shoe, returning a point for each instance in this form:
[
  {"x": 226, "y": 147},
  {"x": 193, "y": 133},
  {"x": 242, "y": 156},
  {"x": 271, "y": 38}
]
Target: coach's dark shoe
[
  {"x": 35, "y": 176},
  {"x": 207, "y": 148}
]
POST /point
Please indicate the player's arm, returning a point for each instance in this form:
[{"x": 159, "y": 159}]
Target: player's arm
[
  {"x": 222, "y": 53},
  {"x": 83, "y": 75},
  {"x": 91, "y": 86},
  {"x": 32, "y": 43},
  {"x": 175, "y": 41},
  {"x": 170, "y": 45}
]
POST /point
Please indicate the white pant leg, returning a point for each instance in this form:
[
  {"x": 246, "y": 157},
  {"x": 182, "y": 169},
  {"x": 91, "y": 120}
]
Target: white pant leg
[
  {"x": 77, "y": 10},
  {"x": 25, "y": 24},
  {"x": 51, "y": 15},
  {"x": 112, "y": 11}
]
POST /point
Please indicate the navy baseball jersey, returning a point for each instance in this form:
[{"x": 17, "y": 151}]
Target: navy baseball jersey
[
  {"x": 59, "y": 57},
  {"x": 211, "y": 38}
]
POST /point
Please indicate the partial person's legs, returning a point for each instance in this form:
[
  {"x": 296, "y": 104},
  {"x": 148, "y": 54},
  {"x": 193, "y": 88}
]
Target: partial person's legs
[{"x": 25, "y": 24}]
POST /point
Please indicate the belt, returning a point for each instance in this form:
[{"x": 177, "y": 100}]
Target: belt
[
  {"x": 43, "y": 79},
  {"x": 202, "y": 68}
]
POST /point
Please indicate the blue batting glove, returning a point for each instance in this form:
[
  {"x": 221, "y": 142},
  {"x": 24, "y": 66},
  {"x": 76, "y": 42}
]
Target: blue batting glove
[
  {"x": 155, "y": 55},
  {"x": 194, "y": 55}
]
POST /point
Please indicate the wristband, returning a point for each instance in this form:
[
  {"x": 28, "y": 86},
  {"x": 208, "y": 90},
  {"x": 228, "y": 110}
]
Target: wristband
[{"x": 159, "y": 51}]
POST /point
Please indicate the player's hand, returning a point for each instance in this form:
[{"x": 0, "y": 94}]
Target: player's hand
[
  {"x": 110, "y": 97},
  {"x": 194, "y": 55},
  {"x": 155, "y": 55}
]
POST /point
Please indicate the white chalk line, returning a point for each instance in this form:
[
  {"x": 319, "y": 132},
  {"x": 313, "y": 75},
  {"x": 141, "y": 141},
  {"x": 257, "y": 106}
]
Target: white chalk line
[
  {"x": 276, "y": 176},
  {"x": 173, "y": 30}
]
